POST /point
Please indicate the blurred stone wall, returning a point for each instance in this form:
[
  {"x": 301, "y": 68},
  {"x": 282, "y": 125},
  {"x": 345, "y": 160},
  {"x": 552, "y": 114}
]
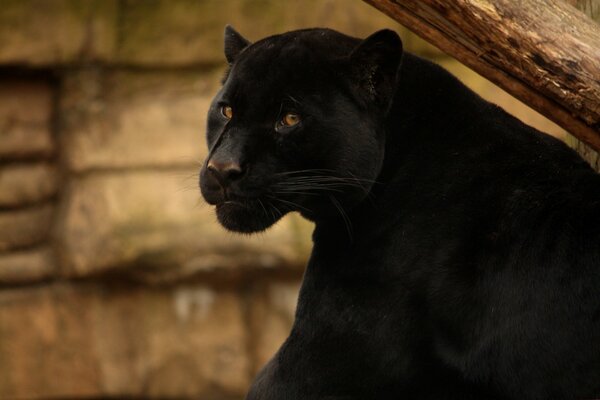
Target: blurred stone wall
[{"x": 115, "y": 280}]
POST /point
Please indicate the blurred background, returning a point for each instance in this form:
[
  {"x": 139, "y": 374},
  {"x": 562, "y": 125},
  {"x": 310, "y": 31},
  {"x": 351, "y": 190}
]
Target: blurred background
[{"x": 115, "y": 279}]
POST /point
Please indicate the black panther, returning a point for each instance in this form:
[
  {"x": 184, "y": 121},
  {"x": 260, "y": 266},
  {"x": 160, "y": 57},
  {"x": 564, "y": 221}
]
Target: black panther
[{"x": 456, "y": 250}]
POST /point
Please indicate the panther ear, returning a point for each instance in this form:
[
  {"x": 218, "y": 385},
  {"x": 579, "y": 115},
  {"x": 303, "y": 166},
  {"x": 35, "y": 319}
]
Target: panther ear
[
  {"x": 374, "y": 65},
  {"x": 234, "y": 44}
]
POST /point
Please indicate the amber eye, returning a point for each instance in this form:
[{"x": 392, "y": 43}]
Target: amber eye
[
  {"x": 227, "y": 112},
  {"x": 290, "y": 119}
]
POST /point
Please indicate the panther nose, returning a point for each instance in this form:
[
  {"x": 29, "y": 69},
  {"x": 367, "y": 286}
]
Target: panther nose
[{"x": 225, "y": 172}]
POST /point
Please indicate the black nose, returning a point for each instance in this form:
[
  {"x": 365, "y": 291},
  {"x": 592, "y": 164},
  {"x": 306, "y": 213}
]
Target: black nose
[{"x": 225, "y": 172}]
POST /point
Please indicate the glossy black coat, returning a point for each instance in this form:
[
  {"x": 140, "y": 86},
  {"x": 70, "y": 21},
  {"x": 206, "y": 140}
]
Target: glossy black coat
[{"x": 471, "y": 267}]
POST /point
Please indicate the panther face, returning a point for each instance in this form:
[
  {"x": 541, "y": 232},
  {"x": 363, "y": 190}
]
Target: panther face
[{"x": 297, "y": 125}]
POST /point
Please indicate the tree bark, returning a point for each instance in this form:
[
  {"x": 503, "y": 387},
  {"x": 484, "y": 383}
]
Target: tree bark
[
  {"x": 592, "y": 9},
  {"x": 546, "y": 53}
]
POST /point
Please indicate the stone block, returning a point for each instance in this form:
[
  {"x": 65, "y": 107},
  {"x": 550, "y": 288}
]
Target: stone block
[
  {"x": 273, "y": 307},
  {"x": 25, "y": 100},
  {"x": 24, "y": 141},
  {"x": 24, "y": 184},
  {"x": 189, "y": 32},
  {"x": 124, "y": 119},
  {"x": 157, "y": 220},
  {"x": 166, "y": 32},
  {"x": 43, "y": 32},
  {"x": 27, "y": 266},
  {"x": 25, "y": 114},
  {"x": 24, "y": 227},
  {"x": 120, "y": 341}
]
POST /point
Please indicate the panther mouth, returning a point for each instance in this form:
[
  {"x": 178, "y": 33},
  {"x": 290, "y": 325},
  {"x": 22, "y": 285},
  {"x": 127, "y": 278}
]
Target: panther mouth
[
  {"x": 247, "y": 215},
  {"x": 230, "y": 198},
  {"x": 225, "y": 204}
]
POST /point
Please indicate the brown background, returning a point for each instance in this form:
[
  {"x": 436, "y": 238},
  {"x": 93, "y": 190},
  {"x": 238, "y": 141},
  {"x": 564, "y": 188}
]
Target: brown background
[{"x": 115, "y": 279}]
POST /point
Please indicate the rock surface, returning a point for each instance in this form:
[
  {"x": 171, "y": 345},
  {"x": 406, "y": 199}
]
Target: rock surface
[
  {"x": 272, "y": 315},
  {"x": 190, "y": 33},
  {"x": 24, "y": 227},
  {"x": 25, "y": 114},
  {"x": 25, "y": 184},
  {"x": 123, "y": 120},
  {"x": 148, "y": 218},
  {"x": 41, "y": 32},
  {"x": 27, "y": 266},
  {"x": 122, "y": 341}
]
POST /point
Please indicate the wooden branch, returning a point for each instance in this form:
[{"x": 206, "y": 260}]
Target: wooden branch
[
  {"x": 591, "y": 8},
  {"x": 544, "y": 52}
]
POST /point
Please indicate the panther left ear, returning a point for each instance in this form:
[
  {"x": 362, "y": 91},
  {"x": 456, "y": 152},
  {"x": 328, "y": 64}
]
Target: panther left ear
[
  {"x": 374, "y": 67},
  {"x": 234, "y": 44}
]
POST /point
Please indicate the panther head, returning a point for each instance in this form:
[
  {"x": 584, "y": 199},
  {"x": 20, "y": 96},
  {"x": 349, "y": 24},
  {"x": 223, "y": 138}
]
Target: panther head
[{"x": 298, "y": 125}]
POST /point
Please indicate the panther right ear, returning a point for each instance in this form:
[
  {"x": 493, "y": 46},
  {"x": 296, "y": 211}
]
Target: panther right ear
[
  {"x": 234, "y": 44},
  {"x": 375, "y": 63}
]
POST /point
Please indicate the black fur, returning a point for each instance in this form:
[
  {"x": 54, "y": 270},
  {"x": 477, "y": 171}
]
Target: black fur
[{"x": 456, "y": 250}]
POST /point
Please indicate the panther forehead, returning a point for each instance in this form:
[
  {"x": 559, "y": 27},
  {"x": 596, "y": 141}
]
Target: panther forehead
[
  {"x": 297, "y": 48},
  {"x": 268, "y": 75}
]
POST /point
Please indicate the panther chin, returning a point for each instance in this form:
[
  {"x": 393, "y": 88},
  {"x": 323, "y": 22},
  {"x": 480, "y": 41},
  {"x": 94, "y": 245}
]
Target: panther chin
[{"x": 246, "y": 217}]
